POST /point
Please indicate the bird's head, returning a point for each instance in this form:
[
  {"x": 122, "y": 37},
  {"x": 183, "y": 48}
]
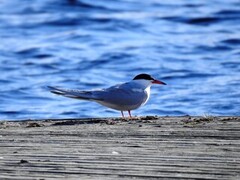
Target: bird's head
[{"x": 148, "y": 79}]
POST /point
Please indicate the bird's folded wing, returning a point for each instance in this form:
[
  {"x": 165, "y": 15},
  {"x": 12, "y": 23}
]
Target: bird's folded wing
[{"x": 74, "y": 93}]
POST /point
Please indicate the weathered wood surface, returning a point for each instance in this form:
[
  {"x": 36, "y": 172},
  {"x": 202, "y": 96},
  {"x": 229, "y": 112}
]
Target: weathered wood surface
[{"x": 166, "y": 147}]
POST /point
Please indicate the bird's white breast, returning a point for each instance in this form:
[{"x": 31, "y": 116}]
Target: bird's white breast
[{"x": 147, "y": 91}]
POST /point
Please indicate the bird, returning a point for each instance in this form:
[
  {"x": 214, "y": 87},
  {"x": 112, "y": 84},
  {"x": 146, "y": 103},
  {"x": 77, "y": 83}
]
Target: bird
[{"x": 122, "y": 97}]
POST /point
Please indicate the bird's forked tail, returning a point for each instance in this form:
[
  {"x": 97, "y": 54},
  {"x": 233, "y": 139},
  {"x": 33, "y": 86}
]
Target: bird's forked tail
[{"x": 72, "y": 93}]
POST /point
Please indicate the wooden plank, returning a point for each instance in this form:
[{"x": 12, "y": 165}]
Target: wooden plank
[{"x": 145, "y": 148}]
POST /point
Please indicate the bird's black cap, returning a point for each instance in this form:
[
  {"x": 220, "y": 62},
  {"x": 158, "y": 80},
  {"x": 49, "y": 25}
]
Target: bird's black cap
[{"x": 143, "y": 76}]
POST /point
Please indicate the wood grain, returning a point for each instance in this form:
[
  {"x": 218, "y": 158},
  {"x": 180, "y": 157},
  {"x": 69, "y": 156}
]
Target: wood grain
[{"x": 146, "y": 148}]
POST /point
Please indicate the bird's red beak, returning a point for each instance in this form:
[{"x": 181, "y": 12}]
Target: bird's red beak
[{"x": 158, "y": 82}]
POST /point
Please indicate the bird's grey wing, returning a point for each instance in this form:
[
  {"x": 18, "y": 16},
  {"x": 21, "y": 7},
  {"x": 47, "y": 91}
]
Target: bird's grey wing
[
  {"x": 75, "y": 93},
  {"x": 124, "y": 94}
]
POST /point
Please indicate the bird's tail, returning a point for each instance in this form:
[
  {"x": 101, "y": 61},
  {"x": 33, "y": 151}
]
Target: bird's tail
[{"x": 73, "y": 93}]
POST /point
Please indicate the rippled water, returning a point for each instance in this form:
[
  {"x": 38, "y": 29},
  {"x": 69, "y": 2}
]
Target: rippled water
[{"x": 194, "y": 46}]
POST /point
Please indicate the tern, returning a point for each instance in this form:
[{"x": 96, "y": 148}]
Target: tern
[{"x": 123, "y": 97}]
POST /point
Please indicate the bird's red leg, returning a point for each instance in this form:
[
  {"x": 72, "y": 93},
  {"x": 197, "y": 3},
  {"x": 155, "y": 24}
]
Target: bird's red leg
[
  {"x": 122, "y": 114},
  {"x": 129, "y": 112}
]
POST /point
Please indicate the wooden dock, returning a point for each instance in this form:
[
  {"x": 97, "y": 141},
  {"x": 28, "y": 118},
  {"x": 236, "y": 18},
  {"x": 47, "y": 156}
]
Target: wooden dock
[{"x": 147, "y": 148}]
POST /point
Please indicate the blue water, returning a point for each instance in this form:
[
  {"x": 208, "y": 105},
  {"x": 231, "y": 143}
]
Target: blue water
[{"x": 193, "y": 46}]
